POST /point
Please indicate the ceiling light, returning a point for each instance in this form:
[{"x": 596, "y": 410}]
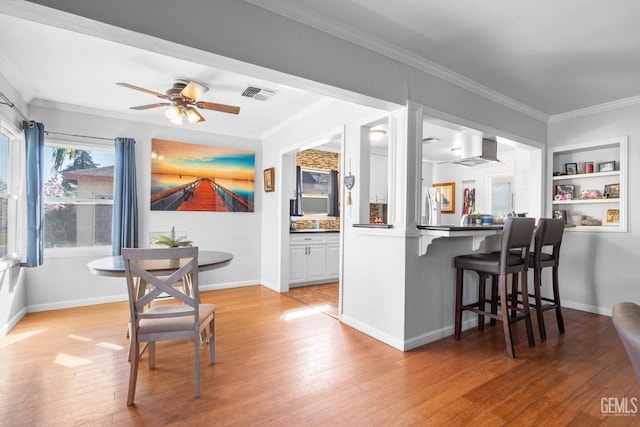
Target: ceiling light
[
  {"x": 193, "y": 116},
  {"x": 377, "y": 134},
  {"x": 172, "y": 112}
]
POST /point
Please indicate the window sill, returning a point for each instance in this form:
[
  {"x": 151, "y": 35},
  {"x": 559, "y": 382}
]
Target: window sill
[{"x": 9, "y": 261}]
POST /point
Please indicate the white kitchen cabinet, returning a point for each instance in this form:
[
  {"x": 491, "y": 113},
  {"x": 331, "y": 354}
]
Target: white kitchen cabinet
[
  {"x": 332, "y": 269},
  {"x": 588, "y": 197},
  {"x": 313, "y": 257},
  {"x": 379, "y": 177}
]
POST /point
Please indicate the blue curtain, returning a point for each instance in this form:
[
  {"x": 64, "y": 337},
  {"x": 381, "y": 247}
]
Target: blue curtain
[
  {"x": 34, "y": 140},
  {"x": 124, "y": 228}
]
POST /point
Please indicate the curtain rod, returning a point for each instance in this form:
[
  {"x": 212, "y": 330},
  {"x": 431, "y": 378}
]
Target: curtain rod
[
  {"x": 8, "y": 102},
  {"x": 48, "y": 132}
]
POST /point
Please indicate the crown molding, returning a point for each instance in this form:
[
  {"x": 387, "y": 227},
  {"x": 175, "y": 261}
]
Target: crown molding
[
  {"x": 336, "y": 29},
  {"x": 607, "y": 106},
  {"x": 156, "y": 121},
  {"x": 10, "y": 72}
]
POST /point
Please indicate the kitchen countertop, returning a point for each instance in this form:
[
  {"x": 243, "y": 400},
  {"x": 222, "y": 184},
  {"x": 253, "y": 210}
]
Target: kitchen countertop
[{"x": 313, "y": 230}]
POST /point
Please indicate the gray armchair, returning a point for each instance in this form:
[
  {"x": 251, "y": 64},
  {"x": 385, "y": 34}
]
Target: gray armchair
[{"x": 626, "y": 319}]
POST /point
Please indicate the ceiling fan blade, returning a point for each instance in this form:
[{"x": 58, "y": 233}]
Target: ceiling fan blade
[
  {"x": 141, "y": 89},
  {"x": 193, "y": 90},
  {"x": 218, "y": 107},
  {"x": 149, "y": 106}
]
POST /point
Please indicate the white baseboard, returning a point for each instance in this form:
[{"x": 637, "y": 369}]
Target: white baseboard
[
  {"x": 76, "y": 303},
  {"x": 588, "y": 308},
  {"x": 229, "y": 285},
  {"x": 373, "y": 332},
  {"x": 123, "y": 297},
  {"x": 12, "y": 322}
]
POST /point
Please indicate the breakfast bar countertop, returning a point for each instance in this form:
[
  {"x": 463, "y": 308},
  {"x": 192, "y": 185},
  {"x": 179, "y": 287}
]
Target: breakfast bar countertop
[{"x": 461, "y": 227}]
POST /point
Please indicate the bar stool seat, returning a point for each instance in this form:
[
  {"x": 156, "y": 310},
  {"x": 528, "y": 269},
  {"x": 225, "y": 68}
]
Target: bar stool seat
[{"x": 513, "y": 259}]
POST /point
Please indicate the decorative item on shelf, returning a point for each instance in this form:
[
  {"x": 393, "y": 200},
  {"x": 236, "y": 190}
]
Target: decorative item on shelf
[
  {"x": 576, "y": 219},
  {"x": 558, "y": 173},
  {"x": 571, "y": 168},
  {"x": 560, "y": 214},
  {"x": 172, "y": 241},
  {"x": 590, "y": 221},
  {"x": 588, "y": 167},
  {"x": 564, "y": 192},
  {"x": 612, "y": 191},
  {"x": 612, "y": 217},
  {"x": 590, "y": 194},
  {"x": 607, "y": 166}
]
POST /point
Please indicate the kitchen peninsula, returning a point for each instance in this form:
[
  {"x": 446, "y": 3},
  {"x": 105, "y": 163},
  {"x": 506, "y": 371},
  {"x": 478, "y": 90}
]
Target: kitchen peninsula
[{"x": 478, "y": 233}]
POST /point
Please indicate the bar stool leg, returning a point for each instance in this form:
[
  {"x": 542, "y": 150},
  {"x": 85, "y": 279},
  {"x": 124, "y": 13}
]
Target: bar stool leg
[
  {"x": 459, "y": 287},
  {"x": 494, "y": 299},
  {"x": 504, "y": 307},
  {"x": 481, "y": 299},
  {"x": 556, "y": 297},
  {"x": 527, "y": 313},
  {"x": 514, "y": 295},
  {"x": 537, "y": 283}
]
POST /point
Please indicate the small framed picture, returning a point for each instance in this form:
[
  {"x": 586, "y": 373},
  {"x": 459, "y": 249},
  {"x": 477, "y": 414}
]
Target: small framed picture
[
  {"x": 564, "y": 191},
  {"x": 611, "y": 217},
  {"x": 446, "y": 194},
  {"x": 607, "y": 166},
  {"x": 571, "y": 168},
  {"x": 612, "y": 191},
  {"x": 269, "y": 180}
]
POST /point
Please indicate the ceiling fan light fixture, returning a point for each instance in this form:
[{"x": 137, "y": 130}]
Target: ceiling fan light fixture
[
  {"x": 193, "y": 116},
  {"x": 173, "y": 112}
]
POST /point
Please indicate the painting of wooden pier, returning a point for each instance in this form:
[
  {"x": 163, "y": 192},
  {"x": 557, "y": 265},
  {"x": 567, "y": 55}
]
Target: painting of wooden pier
[{"x": 192, "y": 177}]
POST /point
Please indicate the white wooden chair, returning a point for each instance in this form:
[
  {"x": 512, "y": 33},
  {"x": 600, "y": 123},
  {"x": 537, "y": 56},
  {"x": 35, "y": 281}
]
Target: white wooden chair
[{"x": 150, "y": 272}]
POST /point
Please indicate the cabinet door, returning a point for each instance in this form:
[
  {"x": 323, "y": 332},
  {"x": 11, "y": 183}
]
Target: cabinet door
[
  {"x": 298, "y": 264},
  {"x": 379, "y": 179},
  {"x": 332, "y": 270},
  {"x": 316, "y": 262}
]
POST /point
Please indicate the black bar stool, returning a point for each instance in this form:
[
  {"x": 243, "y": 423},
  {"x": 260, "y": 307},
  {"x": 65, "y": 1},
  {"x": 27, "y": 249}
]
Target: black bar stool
[
  {"x": 548, "y": 235},
  {"x": 513, "y": 259}
]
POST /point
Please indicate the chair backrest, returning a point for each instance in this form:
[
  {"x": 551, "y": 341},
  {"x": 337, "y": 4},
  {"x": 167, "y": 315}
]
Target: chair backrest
[
  {"x": 548, "y": 234},
  {"x": 152, "y": 272},
  {"x": 516, "y": 237}
]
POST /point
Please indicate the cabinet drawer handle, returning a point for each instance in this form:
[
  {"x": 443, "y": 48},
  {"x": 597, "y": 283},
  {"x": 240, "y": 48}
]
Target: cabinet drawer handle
[{"x": 307, "y": 238}]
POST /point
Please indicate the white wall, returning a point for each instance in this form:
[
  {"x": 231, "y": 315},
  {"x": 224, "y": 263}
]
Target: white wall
[
  {"x": 65, "y": 281},
  {"x": 597, "y": 270},
  {"x": 13, "y": 291}
]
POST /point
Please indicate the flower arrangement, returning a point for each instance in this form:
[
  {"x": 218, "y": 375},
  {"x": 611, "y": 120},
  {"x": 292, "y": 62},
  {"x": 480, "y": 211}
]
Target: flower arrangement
[{"x": 172, "y": 241}]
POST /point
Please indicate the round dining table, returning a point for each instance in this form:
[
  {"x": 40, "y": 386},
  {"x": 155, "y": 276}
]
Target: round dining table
[{"x": 113, "y": 266}]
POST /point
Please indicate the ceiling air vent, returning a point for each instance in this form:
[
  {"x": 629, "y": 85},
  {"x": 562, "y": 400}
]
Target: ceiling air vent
[{"x": 258, "y": 94}]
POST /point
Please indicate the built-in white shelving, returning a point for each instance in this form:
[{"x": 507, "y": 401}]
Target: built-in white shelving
[{"x": 610, "y": 211}]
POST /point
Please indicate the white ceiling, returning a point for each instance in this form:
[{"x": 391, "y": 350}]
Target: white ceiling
[
  {"x": 57, "y": 67},
  {"x": 553, "y": 57}
]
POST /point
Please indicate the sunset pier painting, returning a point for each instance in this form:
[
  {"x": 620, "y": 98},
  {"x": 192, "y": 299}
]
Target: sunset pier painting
[{"x": 192, "y": 177}]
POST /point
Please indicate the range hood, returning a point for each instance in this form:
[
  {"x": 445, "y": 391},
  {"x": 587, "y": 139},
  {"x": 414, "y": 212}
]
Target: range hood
[{"x": 477, "y": 151}]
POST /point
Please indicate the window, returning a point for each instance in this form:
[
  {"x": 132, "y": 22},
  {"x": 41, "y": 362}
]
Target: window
[
  {"x": 315, "y": 192},
  {"x": 78, "y": 195},
  {"x": 10, "y": 143}
]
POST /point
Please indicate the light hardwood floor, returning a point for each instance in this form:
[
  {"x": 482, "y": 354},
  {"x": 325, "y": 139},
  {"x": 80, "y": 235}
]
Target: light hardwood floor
[
  {"x": 322, "y": 297},
  {"x": 281, "y": 363}
]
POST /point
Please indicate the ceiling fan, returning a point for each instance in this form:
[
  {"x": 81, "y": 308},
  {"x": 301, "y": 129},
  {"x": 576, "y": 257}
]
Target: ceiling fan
[{"x": 183, "y": 97}]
